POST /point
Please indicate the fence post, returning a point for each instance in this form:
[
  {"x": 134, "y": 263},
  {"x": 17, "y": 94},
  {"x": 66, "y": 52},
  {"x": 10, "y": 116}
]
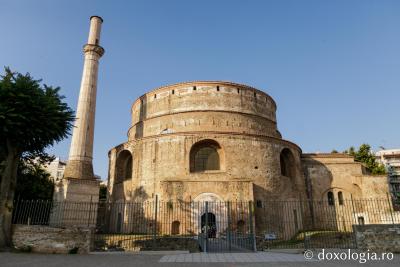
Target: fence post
[
  {"x": 155, "y": 221},
  {"x": 252, "y": 225},
  {"x": 15, "y": 210},
  {"x": 354, "y": 213},
  {"x": 390, "y": 207},
  {"x": 356, "y": 222},
  {"x": 206, "y": 227},
  {"x": 90, "y": 211},
  {"x": 311, "y": 209},
  {"x": 306, "y": 240},
  {"x": 229, "y": 226}
]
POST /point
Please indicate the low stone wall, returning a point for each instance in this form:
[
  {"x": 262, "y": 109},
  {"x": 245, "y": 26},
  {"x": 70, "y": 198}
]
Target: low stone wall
[
  {"x": 169, "y": 243},
  {"x": 378, "y": 237},
  {"x": 45, "y": 239},
  {"x": 125, "y": 242}
]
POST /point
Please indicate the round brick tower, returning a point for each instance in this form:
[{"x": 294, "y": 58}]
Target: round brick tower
[{"x": 193, "y": 140}]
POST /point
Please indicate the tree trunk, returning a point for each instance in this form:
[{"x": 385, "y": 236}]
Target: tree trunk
[{"x": 8, "y": 183}]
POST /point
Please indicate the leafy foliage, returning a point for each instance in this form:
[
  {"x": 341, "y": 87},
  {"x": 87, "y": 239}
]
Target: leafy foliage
[
  {"x": 351, "y": 151},
  {"x": 396, "y": 196},
  {"x": 365, "y": 155},
  {"x": 32, "y": 116},
  {"x": 33, "y": 182}
]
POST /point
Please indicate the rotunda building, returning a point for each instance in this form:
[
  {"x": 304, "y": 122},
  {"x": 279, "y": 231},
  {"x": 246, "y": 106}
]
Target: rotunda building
[{"x": 205, "y": 141}]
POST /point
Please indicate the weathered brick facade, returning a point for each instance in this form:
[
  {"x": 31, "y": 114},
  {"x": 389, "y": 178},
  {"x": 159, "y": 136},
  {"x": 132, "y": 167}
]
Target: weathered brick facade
[{"x": 169, "y": 121}]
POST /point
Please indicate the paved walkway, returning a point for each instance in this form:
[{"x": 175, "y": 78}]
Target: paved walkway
[
  {"x": 234, "y": 257},
  {"x": 270, "y": 259},
  {"x": 220, "y": 245}
]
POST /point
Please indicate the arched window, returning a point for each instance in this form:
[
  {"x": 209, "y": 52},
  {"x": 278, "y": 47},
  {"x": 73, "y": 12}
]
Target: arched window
[
  {"x": 287, "y": 163},
  {"x": 124, "y": 166},
  {"x": 331, "y": 199},
  {"x": 340, "y": 197},
  {"x": 175, "y": 227},
  {"x": 205, "y": 156}
]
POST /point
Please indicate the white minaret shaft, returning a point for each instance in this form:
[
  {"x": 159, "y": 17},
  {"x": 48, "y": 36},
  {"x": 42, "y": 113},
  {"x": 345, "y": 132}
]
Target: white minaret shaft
[{"x": 81, "y": 151}]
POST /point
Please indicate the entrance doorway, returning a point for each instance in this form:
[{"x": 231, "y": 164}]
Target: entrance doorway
[{"x": 209, "y": 224}]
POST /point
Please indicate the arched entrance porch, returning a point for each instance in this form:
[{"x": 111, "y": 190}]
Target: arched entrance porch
[{"x": 209, "y": 212}]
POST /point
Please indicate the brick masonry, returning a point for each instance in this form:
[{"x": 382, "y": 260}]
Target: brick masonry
[
  {"x": 169, "y": 122},
  {"x": 378, "y": 237}
]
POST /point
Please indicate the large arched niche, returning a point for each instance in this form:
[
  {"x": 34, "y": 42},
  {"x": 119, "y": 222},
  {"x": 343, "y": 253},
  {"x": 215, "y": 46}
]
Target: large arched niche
[
  {"x": 206, "y": 155},
  {"x": 287, "y": 163},
  {"x": 124, "y": 166}
]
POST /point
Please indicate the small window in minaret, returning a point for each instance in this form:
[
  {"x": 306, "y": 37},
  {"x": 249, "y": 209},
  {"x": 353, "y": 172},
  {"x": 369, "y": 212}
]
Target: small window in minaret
[
  {"x": 238, "y": 90},
  {"x": 194, "y": 88},
  {"x": 217, "y": 88},
  {"x": 97, "y": 41},
  {"x": 155, "y": 96},
  {"x": 173, "y": 91},
  {"x": 255, "y": 94}
]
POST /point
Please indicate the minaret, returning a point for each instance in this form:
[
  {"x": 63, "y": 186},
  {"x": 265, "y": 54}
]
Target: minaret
[
  {"x": 79, "y": 183},
  {"x": 79, "y": 164}
]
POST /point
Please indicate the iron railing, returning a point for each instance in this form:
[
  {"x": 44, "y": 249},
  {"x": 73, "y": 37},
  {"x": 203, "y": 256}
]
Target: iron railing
[{"x": 214, "y": 226}]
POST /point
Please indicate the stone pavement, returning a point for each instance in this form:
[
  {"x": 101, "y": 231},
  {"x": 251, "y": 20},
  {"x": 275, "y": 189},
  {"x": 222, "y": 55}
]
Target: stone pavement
[
  {"x": 234, "y": 257},
  {"x": 157, "y": 260}
]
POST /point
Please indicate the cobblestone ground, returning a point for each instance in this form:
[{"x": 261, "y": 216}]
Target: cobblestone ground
[{"x": 175, "y": 260}]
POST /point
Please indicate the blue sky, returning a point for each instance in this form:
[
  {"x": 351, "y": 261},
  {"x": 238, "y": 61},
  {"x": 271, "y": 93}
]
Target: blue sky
[{"x": 331, "y": 66}]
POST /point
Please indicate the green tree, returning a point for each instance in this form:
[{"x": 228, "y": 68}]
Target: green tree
[
  {"x": 33, "y": 182},
  {"x": 32, "y": 117},
  {"x": 365, "y": 155},
  {"x": 350, "y": 151}
]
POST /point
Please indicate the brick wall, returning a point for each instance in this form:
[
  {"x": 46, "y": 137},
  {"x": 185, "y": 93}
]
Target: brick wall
[{"x": 378, "y": 237}]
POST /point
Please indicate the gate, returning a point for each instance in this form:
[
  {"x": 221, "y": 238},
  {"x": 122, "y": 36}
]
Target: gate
[
  {"x": 226, "y": 227},
  {"x": 210, "y": 226}
]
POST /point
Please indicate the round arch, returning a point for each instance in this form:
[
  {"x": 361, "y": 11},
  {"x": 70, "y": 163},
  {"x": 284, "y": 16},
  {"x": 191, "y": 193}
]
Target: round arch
[
  {"x": 287, "y": 163},
  {"x": 216, "y": 206},
  {"x": 206, "y": 155},
  {"x": 124, "y": 166}
]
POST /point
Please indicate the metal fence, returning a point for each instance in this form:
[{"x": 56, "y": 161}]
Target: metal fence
[
  {"x": 212, "y": 226},
  {"x": 396, "y": 197},
  {"x": 56, "y": 214},
  {"x": 318, "y": 224}
]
